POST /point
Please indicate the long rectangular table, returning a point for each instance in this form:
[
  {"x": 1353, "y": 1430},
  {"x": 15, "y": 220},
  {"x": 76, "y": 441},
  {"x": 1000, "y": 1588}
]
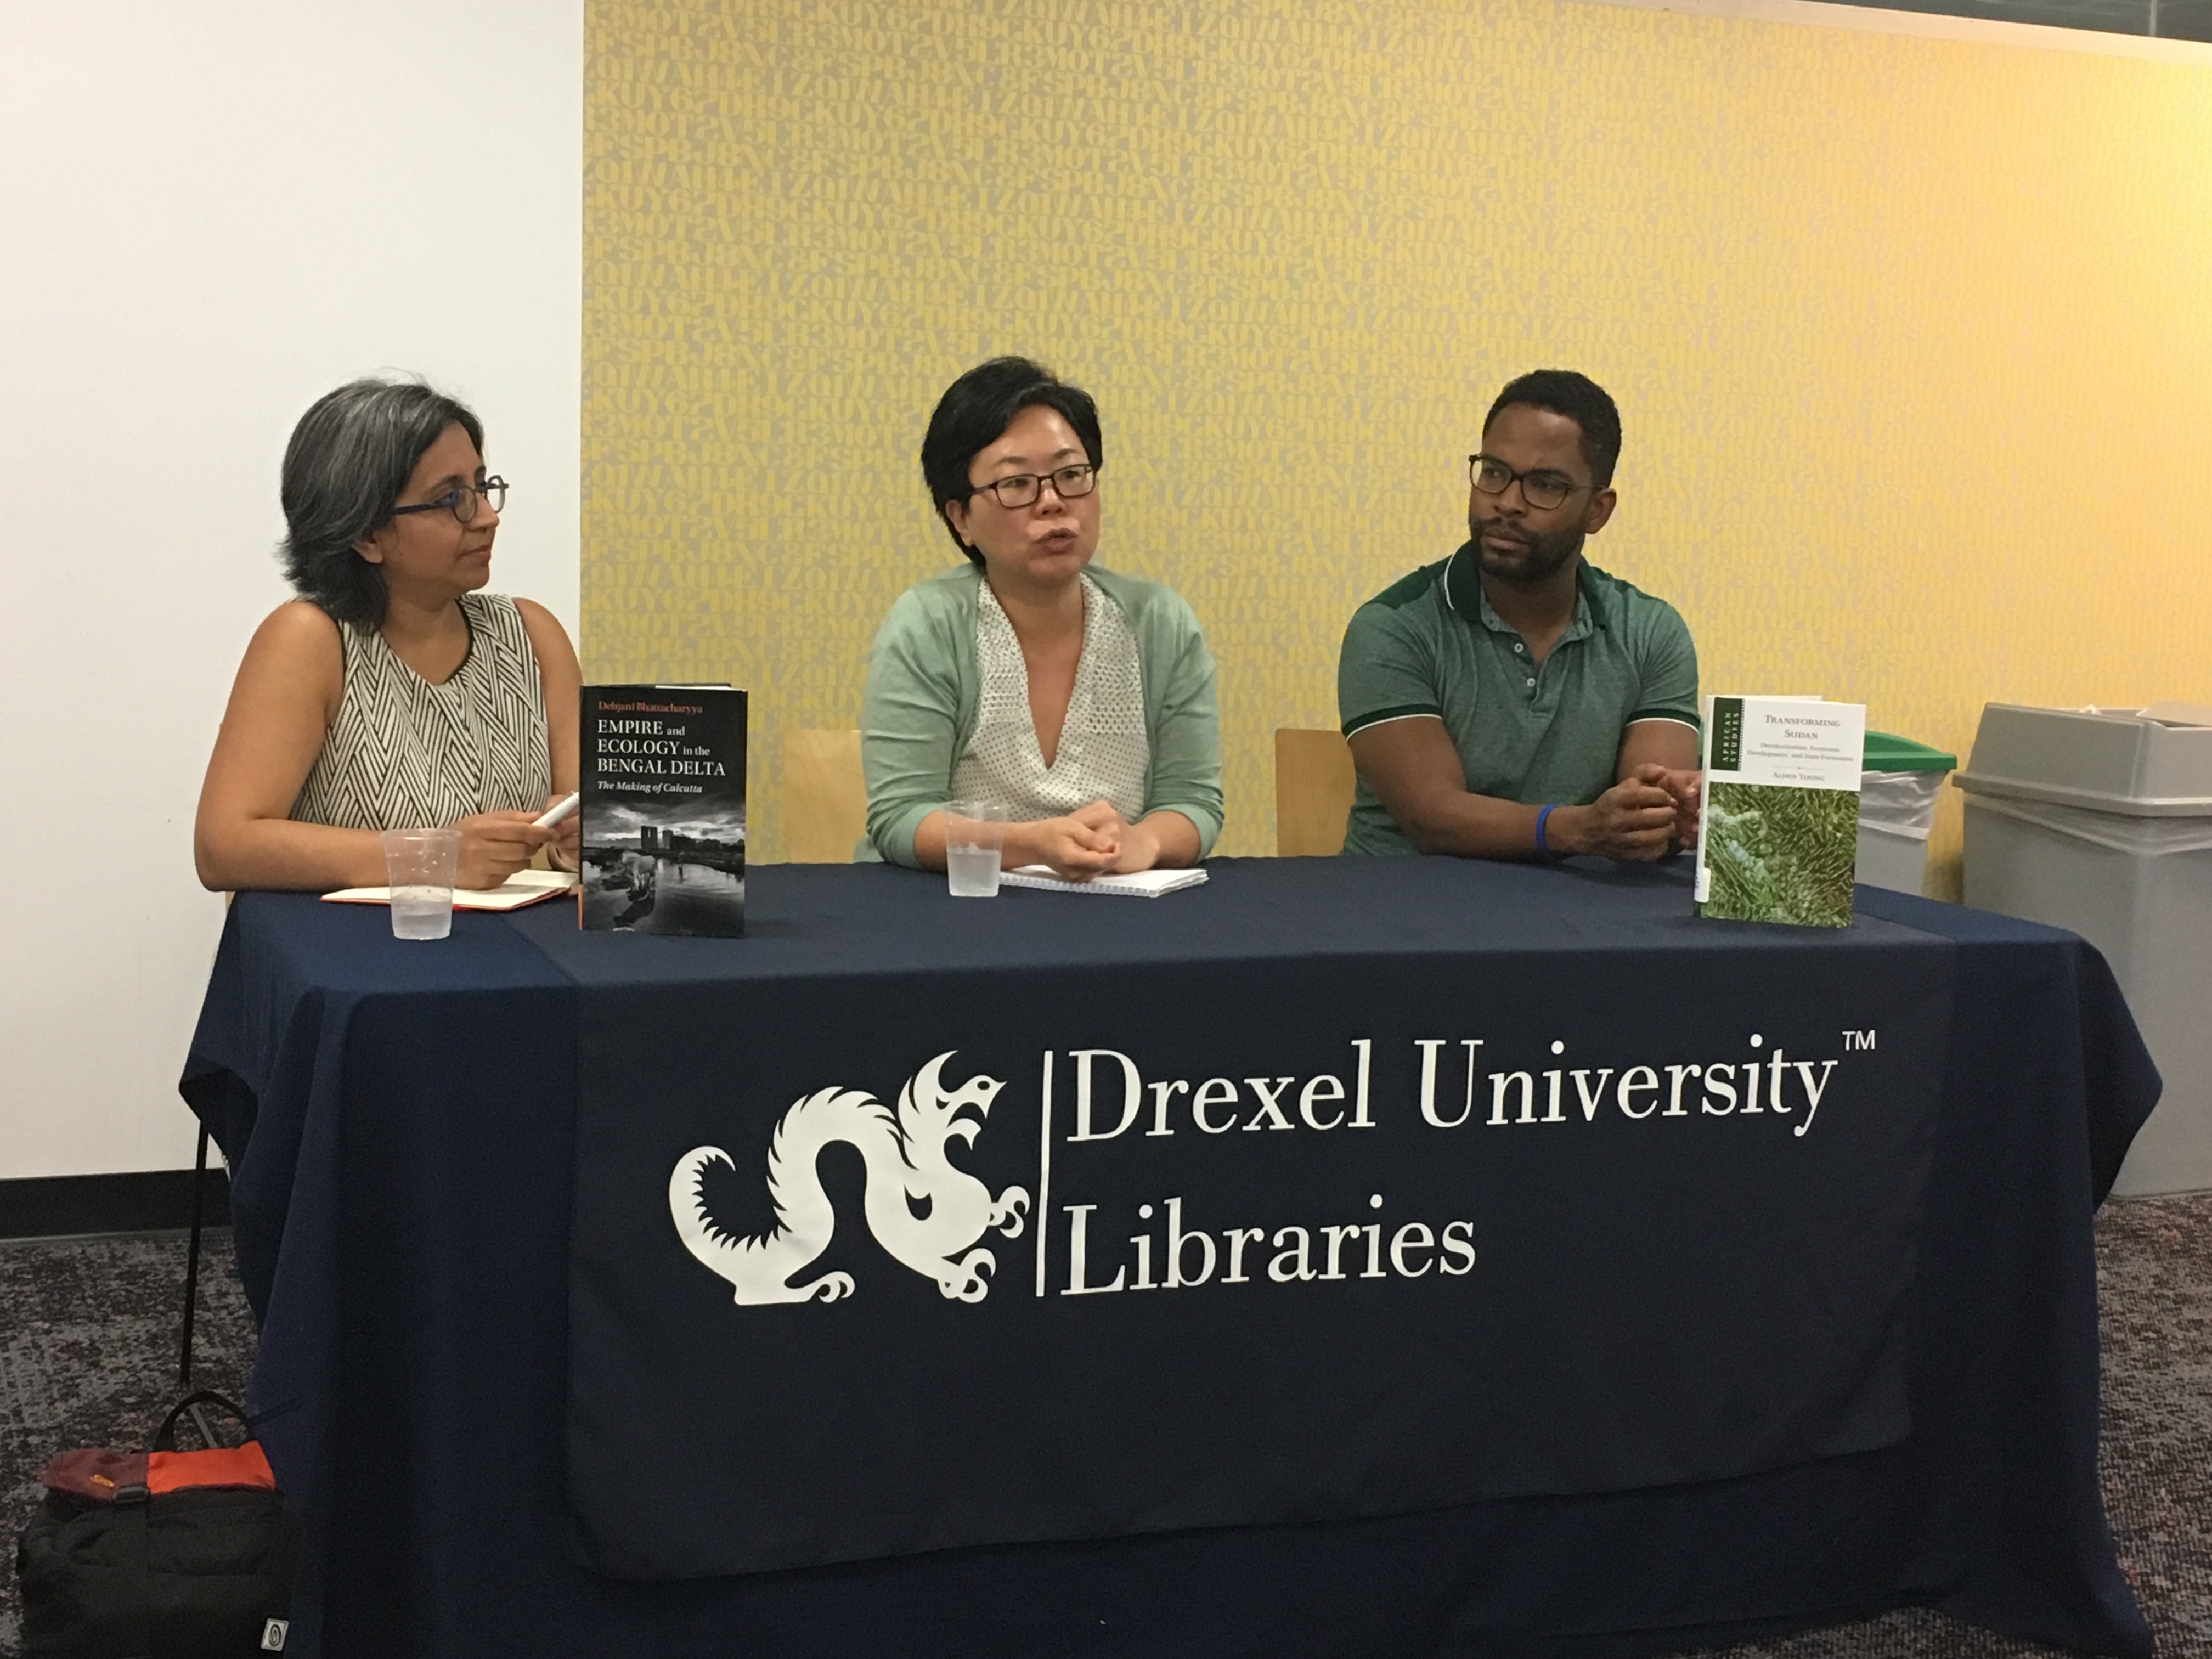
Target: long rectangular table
[{"x": 1604, "y": 1281}]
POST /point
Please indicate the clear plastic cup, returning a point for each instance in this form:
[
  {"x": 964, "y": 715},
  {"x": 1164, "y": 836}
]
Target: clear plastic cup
[
  {"x": 419, "y": 865},
  {"x": 975, "y": 835}
]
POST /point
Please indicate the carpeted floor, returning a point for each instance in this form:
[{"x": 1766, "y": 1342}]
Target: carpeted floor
[
  {"x": 2154, "y": 1305},
  {"x": 88, "y": 1358},
  {"x": 88, "y": 1331}
]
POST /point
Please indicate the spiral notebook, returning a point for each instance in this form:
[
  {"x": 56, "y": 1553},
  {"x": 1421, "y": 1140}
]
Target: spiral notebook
[{"x": 1145, "y": 883}]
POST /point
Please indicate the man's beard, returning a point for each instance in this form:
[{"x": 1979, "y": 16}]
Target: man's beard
[{"x": 1536, "y": 560}]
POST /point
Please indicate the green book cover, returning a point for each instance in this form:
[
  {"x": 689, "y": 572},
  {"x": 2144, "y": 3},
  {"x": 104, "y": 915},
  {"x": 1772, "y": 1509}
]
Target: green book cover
[{"x": 1777, "y": 838}]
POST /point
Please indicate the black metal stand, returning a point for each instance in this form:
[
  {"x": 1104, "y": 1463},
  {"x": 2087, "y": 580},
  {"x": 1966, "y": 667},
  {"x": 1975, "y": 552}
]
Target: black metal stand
[
  {"x": 193, "y": 1408},
  {"x": 192, "y": 1265}
]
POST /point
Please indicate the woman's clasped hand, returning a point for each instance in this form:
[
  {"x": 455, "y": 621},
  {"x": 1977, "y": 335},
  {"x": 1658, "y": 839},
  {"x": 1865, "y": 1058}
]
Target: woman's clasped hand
[{"x": 1092, "y": 841}]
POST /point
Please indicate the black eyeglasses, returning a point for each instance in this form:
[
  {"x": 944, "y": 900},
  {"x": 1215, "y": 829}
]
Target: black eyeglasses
[
  {"x": 461, "y": 501},
  {"x": 1068, "y": 483},
  {"x": 1541, "y": 487}
]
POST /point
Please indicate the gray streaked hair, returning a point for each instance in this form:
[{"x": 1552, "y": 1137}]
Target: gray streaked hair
[{"x": 351, "y": 456}]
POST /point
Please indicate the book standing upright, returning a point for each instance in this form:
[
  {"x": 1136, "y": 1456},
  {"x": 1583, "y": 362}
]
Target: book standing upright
[
  {"x": 1777, "y": 836},
  {"x": 664, "y": 809}
]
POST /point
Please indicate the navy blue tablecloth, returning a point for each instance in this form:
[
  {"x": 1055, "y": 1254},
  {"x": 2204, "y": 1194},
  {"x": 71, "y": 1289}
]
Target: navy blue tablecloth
[
  {"x": 402, "y": 1121},
  {"x": 1305, "y": 1210}
]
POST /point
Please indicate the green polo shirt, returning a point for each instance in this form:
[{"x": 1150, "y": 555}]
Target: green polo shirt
[{"x": 1431, "y": 645}]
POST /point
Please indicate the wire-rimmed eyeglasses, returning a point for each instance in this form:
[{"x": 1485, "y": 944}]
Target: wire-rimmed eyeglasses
[
  {"x": 461, "y": 500},
  {"x": 1541, "y": 487},
  {"x": 1068, "y": 483}
]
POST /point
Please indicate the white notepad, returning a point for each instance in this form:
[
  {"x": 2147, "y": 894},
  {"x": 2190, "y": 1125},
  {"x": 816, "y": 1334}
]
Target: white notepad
[
  {"x": 523, "y": 887},
  {"x": 1145, "y": 883}
]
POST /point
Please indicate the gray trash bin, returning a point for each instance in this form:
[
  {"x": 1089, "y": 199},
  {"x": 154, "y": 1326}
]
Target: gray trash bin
[{"x": 2100, "y": 821}]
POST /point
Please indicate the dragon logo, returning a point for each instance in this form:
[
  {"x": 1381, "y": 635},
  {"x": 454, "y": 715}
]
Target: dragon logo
[{"x": 921, "y": 1209}]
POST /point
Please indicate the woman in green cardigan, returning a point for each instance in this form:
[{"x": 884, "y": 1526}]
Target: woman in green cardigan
[{"x": 1081, "y": 699}]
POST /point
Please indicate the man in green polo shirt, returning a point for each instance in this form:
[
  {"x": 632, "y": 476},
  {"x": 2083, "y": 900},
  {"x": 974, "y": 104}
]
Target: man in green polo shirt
[{"x": 1512, "y": 700}]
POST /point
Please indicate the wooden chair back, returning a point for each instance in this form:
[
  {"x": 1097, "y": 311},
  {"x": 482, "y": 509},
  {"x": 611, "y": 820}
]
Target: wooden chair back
[
  {"x": 825, "y": 800},
  {"x": 1313, "y": 783}
]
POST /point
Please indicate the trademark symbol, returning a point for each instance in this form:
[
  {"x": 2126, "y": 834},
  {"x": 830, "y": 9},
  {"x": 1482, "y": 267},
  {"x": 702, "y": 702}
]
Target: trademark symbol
[{"x": 1861, "y": 1040}]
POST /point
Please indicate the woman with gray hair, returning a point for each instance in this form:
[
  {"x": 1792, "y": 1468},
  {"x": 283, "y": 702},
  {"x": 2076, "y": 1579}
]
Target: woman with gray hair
[{"x": 392, "y": 694}]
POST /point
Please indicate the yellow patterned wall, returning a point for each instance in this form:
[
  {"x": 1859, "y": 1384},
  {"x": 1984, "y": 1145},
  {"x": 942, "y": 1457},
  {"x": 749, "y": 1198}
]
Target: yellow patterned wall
[{"x": 1912, "y": 337}]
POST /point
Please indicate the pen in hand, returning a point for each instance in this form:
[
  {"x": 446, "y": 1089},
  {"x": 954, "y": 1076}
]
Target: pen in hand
[{"x": 560, "y": 810}]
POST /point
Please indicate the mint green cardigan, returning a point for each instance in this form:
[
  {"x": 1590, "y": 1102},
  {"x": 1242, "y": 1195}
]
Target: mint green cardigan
[{"x": 919, "y": 710}]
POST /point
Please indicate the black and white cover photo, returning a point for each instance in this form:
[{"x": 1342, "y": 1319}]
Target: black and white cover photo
[{"x": 664, "y": 809}]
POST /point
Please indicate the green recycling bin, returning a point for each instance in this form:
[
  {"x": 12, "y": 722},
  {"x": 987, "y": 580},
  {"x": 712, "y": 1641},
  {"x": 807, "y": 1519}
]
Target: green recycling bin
[{"x": 1897, "y": 791}]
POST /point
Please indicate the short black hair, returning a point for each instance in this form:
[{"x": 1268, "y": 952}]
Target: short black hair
[
  {"x": 979, "y": 406},
  {"x": 351, "y": 456},
  {"x": 1583, "y": 401}
]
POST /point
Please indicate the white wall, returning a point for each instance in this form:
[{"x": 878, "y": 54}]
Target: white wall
[{"x": 210, "y": 214}]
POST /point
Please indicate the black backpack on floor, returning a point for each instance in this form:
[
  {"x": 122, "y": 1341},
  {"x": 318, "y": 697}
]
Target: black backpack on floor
[{"x": 158, "y": 1555}]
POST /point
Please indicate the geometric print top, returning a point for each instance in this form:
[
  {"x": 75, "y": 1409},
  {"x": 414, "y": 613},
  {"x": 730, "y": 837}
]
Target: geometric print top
[
  {"x": 1104, "y": 753},
  {"x": 405, "y": 754}
]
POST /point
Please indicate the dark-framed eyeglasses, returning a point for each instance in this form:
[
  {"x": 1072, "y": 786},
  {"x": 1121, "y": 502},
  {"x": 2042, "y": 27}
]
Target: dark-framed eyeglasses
[
  {"x": 461, "y": 501},
  {"x": 1541, "y": 487},
  {"x": 1068, "y": 483}
]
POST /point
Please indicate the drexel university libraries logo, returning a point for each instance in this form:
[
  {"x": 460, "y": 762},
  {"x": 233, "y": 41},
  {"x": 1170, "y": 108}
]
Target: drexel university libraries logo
[
  {"x": 932, "y": 1216},
  {"x": 923, "y": 1210}
]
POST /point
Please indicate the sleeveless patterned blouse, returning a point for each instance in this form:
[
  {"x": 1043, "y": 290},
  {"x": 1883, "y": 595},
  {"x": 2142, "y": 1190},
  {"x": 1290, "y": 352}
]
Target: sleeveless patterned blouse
[
  {"x": 404, "y": 753},
  {"x": 1104, "y": 752}
]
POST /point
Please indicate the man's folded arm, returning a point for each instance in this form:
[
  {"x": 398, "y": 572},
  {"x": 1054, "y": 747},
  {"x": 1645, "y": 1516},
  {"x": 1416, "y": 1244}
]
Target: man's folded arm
[
  {"x": 1662, "y": 730},
  {"x": 1668, "y": 739},
  {"x": 1661, "y": 741},
  {"x": 1409, "y": 761},
  {"x": 1415, "y": 772}
]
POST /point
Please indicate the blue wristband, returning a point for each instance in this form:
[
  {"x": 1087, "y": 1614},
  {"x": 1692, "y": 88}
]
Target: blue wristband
[{"x": 1542, "y": 851}]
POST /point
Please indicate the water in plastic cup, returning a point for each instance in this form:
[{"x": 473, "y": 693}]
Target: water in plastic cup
[
  {"x": 422, "y": 912},
  {"x": 419, "y": 866},
  {"x": 972, "y": 871},
  {"x": 975, "y": 834}
]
